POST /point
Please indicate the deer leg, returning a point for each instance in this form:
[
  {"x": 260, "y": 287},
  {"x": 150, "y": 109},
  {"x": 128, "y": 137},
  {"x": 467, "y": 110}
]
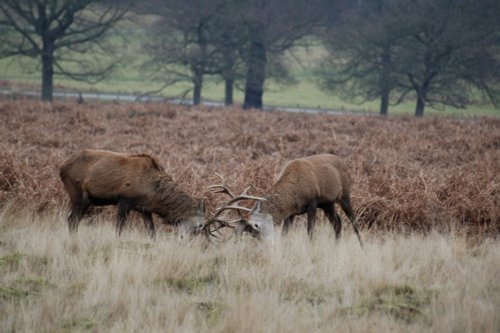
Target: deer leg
[
  {"x": 148, "y": 222},
  {"x": 78, "y": 209},
  {"x": 345, "y": 203},
  {"x": 123, "y": 210},
  {"x": 75, "y": 217},
  {"x": 286, "y": 225},
  {"x": 334, "y": 219},
  {"x": 311, "y": 217}
]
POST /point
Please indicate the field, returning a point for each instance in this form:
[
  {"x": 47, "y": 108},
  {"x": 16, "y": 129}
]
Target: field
[{"x": 426, "y": 193}]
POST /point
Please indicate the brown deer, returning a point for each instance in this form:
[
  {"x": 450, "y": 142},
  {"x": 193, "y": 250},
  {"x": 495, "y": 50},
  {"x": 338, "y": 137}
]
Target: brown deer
[
  {"x": 132, "y": 182},
  {"x": 304, "y": 185}
]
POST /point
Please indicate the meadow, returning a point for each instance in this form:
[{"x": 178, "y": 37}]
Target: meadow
[{"x": 426, "y": 194}]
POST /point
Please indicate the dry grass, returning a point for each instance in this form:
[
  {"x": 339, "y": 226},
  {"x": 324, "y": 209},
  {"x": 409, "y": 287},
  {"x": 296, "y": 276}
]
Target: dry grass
[
  {"x": 409, "y": 174},
  {"x": 422, "y": 188},
  {"x": 50, "y": 282}
]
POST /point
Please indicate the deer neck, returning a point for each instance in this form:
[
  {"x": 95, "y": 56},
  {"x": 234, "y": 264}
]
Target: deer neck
[
  {"x": 173, "y": 203},
  {"x": 276, "y": 207}
]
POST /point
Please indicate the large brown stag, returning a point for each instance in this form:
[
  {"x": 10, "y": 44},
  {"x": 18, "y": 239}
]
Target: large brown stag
[
  {"x": 303, "y": 186},
  {"x": 132, "y": 182}
]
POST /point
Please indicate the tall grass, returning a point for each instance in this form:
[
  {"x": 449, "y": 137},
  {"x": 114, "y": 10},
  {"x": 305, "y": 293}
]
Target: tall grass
[
  {"x": 52, "y": 282},
  {"x": 409, "y": 174}
]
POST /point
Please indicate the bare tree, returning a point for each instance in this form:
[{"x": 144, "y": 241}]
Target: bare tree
[
  {"x": 272, "y": 27},
  {"x": 226, "y": 37},
  {"x": 437, "y": 51},
  {"x": 360, "y": 62},
  {"x": 55, "y": 32},
  {"x": 181, "y": 44},
  {"x": 449, "y": 52},
  {"x": 231, "y": 39}
]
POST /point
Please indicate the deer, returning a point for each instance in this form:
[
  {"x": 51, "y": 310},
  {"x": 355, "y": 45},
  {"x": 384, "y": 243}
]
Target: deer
[
  {"x": 303, "y": 186},
  {"x": 131, "y": 182}
]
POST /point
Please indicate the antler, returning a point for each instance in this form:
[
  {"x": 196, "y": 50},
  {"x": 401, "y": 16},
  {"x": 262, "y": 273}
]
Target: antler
[
  {"x": 245, "y": 196},
  {"x": 230, "y": 205},
  {"x": 222, "y": 188}
]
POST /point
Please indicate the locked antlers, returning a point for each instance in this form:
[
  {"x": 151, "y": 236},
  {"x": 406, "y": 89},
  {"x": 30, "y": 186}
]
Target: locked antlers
[{"x": 217, "y": 222}]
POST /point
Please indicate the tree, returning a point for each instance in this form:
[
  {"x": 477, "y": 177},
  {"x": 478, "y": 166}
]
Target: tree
[
  {"x": 450, "y": 51},
  {"x": 272, "y": 27},
  {"x": 226, "y": 37},
  {"x": 181, "y": 46},
  {"x": 195, "y": 38},
  {"x": 360, "y": 61},
  {"x": 55, "y": 32},
  {"x": 440, "y": 52}
]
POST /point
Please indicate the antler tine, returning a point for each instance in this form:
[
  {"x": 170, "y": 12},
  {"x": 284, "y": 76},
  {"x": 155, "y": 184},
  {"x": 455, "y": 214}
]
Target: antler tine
[
  {"x": 227, "y": 207},
  {"x": 220, "y": 210},
  {"x": 245, "y": 196},
  {"x": 209, "y": 233},
  {"x": 228, "y": 224},
  {"x": 222, "y": 189},
  {"x": 222, "y": 186},
  {"x": 214, "y": 232}
]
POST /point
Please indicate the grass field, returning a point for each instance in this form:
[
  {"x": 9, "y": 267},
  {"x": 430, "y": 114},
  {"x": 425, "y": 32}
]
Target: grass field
[
  {"x": 50, "y": 282},
  {"x": 426, "y": 194}
]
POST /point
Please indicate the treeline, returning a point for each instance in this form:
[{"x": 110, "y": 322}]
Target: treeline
[
  {"x": 240, "y": 41},
  {"x": 439, "y": 52}
]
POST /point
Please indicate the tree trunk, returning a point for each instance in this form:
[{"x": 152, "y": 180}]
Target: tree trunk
[
  {"x": 256, "y": 75},
  {"x": 385, "y": 85},
  {"x": 384, "y": 102},
  {"x": 228, "y": 93},
  {"x": 199, "y": 66},
  {"x": 198, "y": 84},
  {"x": 228, "y": 73},
  {"x": 421, "y": 98},
  {"x": 197, "y": 94},
  {"x": 47, "y": 70}
]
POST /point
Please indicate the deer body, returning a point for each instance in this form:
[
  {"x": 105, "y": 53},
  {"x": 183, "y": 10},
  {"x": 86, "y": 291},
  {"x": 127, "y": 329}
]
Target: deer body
[
  {"x": 305, "y": 184},
  {"x": 132, "y": 182}
]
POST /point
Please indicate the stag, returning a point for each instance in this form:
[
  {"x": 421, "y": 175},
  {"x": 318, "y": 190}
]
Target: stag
[
  {"x": 303, "y": 186},
  {"x": 132, "y": 182}
]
